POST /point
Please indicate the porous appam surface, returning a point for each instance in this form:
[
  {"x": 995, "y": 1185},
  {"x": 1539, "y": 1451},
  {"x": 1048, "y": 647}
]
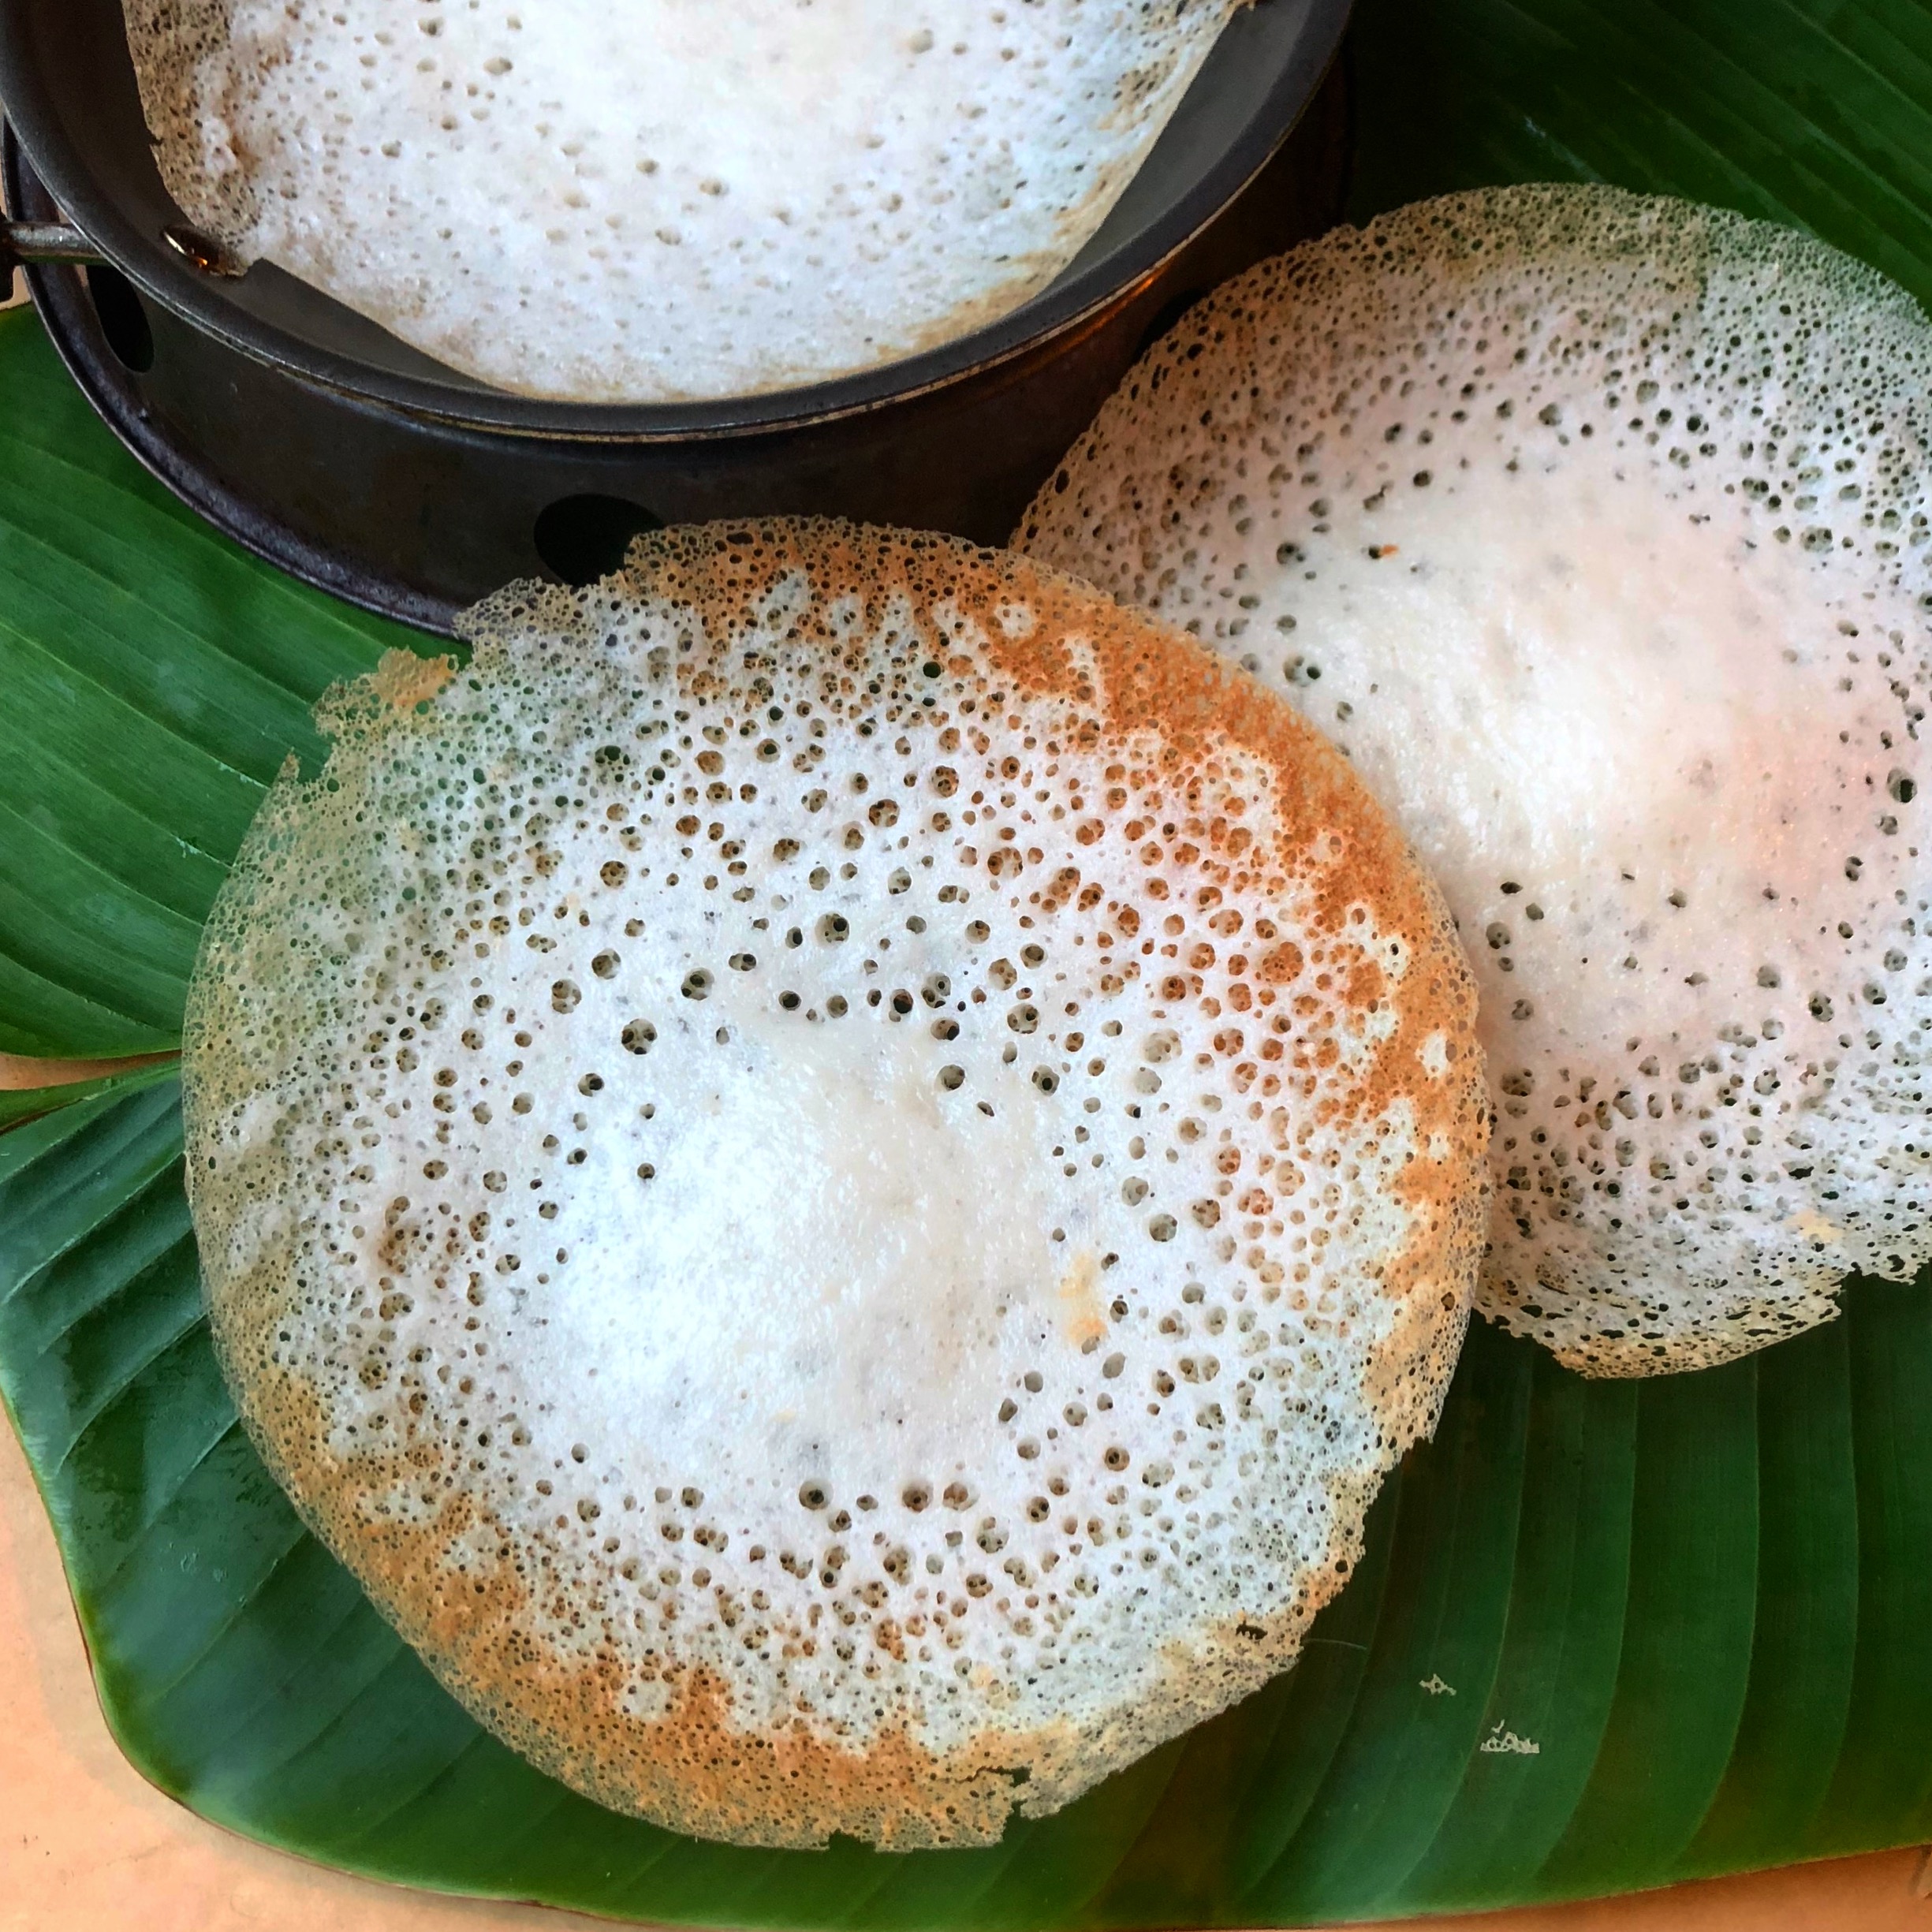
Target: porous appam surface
[
  {"x": 1594, "y": 529},
  {"x": 834, "y": 1173},
  {"x": 659, "y": 202}
]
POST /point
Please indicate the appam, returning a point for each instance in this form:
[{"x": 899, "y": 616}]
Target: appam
[
  {"x": 834, "y": 1173},
  {"x": 1594, "y": 528},
  {"x": 661, "y": 201}
]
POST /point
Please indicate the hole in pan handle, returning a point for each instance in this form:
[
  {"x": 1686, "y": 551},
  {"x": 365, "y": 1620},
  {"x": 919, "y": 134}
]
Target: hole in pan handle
[
  {"x": 584, "y": 538},
  {"x": 123, "y": 317}
]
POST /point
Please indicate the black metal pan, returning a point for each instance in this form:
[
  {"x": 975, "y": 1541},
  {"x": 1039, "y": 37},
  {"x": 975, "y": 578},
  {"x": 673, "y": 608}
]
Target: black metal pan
[{"x": 322, "y": 441}]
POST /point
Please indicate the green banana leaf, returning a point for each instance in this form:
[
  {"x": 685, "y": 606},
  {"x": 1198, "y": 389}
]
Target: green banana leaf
[
  {"x": 152, "y": 679},
  {"x": 1814, "y": 113},
  {"x": 18, "y": 1104},
  {"x": 1604, "y": 1636}
]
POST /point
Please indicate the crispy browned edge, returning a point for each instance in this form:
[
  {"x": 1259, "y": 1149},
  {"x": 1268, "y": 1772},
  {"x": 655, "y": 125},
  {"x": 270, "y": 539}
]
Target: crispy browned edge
[{"x": 694, "y": 1769}]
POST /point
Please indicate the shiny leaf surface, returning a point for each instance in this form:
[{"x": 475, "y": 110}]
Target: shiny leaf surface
[
  {"x": 1604, "y": 1634},
  {"x": 155, "y": 678}
]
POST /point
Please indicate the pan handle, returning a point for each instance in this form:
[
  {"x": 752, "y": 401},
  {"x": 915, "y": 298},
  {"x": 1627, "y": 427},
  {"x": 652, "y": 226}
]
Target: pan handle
[
  {"x": 39, "y": 241},
  {"x": 44, "y": 241}
]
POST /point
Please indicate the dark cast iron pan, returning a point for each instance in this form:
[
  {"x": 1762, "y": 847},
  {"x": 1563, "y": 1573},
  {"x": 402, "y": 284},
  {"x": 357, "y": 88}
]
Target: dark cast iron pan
[{"x": 325, "y": 443}]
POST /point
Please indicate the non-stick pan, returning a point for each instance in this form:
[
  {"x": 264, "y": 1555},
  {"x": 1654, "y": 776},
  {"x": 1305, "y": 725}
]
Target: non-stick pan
[{"x": 321, "y": 440}]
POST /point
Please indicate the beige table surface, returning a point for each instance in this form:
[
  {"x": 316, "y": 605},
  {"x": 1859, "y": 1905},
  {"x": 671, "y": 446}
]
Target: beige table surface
[{"x": 85, "y": 1842}]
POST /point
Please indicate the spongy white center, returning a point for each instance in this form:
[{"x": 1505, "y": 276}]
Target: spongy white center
[
  {"x": 652, "y": 200},
  {"x": 1593, "y": 529},
  {"x": 1531, "y": 694},
  {"x": 788, "y": 1198},
  {"x": 821, "y": 1217}
]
